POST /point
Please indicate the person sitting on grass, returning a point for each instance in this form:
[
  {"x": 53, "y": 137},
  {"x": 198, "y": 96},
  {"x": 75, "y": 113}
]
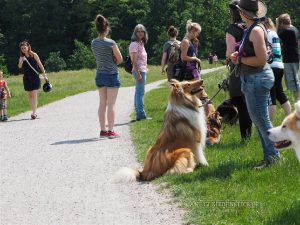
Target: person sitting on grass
[{"x": 4, "y": 92}]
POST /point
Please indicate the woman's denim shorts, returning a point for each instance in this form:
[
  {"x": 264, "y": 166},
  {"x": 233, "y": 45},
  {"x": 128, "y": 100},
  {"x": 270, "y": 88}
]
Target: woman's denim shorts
[{"x": 107, "y": 80}]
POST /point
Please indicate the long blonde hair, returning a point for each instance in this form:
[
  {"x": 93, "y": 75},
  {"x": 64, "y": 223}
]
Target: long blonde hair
[
  {"x": 269, "y": 24},
  {"x": 192, "y": 25}
]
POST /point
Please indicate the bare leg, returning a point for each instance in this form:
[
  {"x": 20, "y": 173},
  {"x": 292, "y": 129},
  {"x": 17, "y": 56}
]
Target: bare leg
[
  {"x": 287, "y": 108},
  {"x": 272, "y": 111},
  {"x": 102, "y": 106},
  {"x": 111, "y": 101},
  {"x": 297, "y": 96},
  {"x": 32, "y": 97}
]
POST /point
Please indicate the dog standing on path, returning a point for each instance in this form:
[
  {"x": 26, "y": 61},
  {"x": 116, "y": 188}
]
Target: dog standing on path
[
  {"x": 181, "y": 139},
  {"x": 288, "y": 134}
]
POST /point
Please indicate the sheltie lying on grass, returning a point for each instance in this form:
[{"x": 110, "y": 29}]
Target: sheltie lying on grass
[{"x": 181, "y": 140}]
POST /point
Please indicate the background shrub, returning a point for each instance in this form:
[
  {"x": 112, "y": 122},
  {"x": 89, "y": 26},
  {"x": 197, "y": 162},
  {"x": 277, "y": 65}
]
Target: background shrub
[
  {"x": 55, "y": 63},
  {"x": 82, "y": 57}
]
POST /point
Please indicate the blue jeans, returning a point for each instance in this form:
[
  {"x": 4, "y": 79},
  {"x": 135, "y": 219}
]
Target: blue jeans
[
  {"x": 139, "y": 95},
  {"x": 256, "y": 88}
]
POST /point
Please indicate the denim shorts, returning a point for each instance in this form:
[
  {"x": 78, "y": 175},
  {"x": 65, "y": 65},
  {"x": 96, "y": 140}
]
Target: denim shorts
[
  {"x": 107, "y": 80},
  {"x": 291, "y": 76}
]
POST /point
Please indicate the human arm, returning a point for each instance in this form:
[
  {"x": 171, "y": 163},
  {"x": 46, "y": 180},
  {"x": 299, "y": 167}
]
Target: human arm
[
  {"x": 133, "y": 51},
  {"x": 184, "y": 49},
  {"x": 230, "y": 47},
  {"x": 163, "y": 62},
  {"x": 21, "y": 60},
  {"x": 117, "y": 54},
  {"x": 133, "y": 56},
  {"x": 37, "y": 59},
  {"x": 7, "y": 89}
]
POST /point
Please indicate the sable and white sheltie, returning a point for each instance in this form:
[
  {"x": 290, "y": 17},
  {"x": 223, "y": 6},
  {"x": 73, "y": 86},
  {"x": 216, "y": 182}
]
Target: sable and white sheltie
[
  {"x": 181, "y": 139},
  {"x": 288, "y": 134}
]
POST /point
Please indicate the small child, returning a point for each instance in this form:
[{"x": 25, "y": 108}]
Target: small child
[{"x": 4, "y": 91}]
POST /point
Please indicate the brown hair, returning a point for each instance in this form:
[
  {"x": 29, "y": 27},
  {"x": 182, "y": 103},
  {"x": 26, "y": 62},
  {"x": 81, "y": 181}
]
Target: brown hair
[
  {"x": 172, "y": 32},
  {"x": 102, "y": 24},
  {"x": 269, "y": 24},
  {"x": 26, "y": 43},
  {"x": 283, "y": 20}
]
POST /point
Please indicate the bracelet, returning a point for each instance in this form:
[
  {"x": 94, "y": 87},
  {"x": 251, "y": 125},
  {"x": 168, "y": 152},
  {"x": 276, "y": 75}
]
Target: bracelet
[{"x": 239, "y": 59}]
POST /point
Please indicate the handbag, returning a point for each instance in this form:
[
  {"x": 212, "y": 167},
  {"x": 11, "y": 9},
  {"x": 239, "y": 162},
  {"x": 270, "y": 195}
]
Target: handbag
[{"x": 128, "y": 65}]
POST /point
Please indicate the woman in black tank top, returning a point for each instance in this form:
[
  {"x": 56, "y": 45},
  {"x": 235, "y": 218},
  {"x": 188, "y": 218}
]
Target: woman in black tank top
[
  {"x": 256, "y": 75},
  {"x": 31, "y": 64}
]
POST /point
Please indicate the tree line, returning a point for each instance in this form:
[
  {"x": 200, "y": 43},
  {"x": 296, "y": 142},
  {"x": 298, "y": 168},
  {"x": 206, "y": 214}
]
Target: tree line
[{"x": 61, "y": 30}]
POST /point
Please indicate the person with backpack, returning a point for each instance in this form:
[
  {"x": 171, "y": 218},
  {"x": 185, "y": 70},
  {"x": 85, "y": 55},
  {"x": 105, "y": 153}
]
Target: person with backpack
[
  {"x": 30, "y": 62},
  {"x": 277, "y": 67},
  {"x": 234, "y": 34},
  {"x": 189, "y": 52},
  {"x": 107, "y": 56},
  {"x": 171, "y": 53},
  {"x": 138, "y": 56},
  {"x": 256, "y": 76}
]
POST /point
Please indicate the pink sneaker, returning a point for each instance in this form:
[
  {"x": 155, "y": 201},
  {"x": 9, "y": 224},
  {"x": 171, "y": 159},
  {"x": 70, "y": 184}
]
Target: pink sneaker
[
  {"x": 104, "y": 134},
  {"x": 112, "y": 135}
]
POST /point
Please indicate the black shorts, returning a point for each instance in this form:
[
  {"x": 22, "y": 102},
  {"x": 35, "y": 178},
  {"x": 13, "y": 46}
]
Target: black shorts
[{"x": 31, "y": 83}]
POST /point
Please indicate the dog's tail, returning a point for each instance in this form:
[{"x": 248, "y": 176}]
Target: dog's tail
[{"x": 126, "y": 175}]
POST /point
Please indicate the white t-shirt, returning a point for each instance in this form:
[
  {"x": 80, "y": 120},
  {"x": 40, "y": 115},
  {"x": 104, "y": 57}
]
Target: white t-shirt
[{"x": 275, "y": 42}]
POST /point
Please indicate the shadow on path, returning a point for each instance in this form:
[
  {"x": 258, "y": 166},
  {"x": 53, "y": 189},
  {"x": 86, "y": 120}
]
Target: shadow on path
[{"x": 79, "y": 141}]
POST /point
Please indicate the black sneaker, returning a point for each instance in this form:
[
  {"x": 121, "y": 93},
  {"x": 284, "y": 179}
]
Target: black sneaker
[
  {"x": 4, "y": 118},
  {"x": 266, "y": 163}
]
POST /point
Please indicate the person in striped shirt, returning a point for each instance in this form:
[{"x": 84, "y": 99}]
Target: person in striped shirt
[{"x": 107, "y": 56}]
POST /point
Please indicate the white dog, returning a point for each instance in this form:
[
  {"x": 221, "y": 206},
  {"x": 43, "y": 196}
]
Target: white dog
[{"x": 288, "y": 134}]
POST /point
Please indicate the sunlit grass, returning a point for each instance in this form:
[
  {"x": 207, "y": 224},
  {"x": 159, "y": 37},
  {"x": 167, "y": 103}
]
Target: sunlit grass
[{"x": 229, "y": 191}]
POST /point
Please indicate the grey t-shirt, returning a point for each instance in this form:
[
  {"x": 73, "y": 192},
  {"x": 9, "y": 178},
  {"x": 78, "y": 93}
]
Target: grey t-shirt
[{"x": 103, "y": 53}]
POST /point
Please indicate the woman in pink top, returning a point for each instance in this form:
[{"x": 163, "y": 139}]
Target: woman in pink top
[{"x": 138, "y": 56}]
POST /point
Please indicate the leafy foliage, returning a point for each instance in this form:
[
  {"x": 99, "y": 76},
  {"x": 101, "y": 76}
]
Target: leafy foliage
[
  {"x": 82, "y": 57},
  {"x": 52, "y": 26},
  {"x": 3, "y": 67},
  {"x": 55, "y": 63}
]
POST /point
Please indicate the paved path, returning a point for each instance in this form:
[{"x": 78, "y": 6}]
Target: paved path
[{"x": 55, "y": 170}]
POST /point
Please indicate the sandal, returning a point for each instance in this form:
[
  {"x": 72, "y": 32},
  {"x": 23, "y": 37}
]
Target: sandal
[{"x": 33, "y": 116}]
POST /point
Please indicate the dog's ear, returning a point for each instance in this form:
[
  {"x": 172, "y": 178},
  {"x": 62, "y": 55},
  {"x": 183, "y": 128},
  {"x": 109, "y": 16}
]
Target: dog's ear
[{"x": 297, "y": 108}]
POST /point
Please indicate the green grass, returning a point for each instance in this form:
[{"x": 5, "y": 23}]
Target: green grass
[
  {"x": 67, "y": 83},
  {"x": 229, "y": 191}
]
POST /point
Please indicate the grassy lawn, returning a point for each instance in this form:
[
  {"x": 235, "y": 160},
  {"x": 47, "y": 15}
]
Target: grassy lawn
[
  {"x": 229, "y": 191},
  {"x": 68, "y": 83}
]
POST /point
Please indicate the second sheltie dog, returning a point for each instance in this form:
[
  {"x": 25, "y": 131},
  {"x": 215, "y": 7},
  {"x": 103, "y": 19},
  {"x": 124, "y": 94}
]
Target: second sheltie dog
[
  {"x": 181, "y": 140},
  {"x": 287, "y": 135}
]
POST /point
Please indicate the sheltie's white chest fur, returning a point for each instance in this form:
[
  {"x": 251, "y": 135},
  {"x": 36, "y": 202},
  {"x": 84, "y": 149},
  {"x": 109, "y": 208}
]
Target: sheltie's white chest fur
[{"x": 197, "y": 120}]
